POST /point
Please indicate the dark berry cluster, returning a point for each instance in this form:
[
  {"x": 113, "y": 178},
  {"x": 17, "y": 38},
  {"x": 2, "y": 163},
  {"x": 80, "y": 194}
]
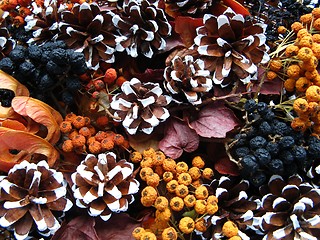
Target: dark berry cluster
[
  {"x": 278, "y": 13},
  {"x": 46, "y": 68},
  {"x": 6, "y": 97},
  {"x": 267, "y": 145}
]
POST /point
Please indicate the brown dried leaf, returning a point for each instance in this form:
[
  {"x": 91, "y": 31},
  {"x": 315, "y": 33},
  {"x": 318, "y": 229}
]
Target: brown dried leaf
[
  {"x": 27, "y": 144},
  {"x": 186, "y": 27},
  {"x": 40, "y": 113}
]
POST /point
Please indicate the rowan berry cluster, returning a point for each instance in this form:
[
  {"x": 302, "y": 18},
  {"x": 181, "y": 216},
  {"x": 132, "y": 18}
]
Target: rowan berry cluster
[
  {"x": 81, "y": 136},
  {"x": 177, "y": 193},
  {"x": 299, "y": 61}
]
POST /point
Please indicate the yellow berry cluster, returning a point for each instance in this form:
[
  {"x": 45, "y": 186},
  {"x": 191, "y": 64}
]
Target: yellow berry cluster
[
  {"x": 174, "y": 189},
  {"x": 80, "y": 136},
  {"x": 300, "y": 59},
  {"x": 307, "y": 109}
]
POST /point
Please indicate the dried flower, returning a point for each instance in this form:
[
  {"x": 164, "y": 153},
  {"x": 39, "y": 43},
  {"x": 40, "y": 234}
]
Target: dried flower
[
  {"x": 104, "y": 185},
  {"x": 30, "y": 194},
  {"x": 140, "y": 106}
]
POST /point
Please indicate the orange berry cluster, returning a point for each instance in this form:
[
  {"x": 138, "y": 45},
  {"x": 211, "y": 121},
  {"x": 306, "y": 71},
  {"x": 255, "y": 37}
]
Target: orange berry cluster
[
  {"x": 308, "y": 111},
  {"x": 301, "y": 58},
  {"x": 174, "y": 189},
  {"x": 81, "y": 136}
]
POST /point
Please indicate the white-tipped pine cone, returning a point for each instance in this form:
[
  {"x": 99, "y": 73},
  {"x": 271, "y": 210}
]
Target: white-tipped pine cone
[
  {"x": 104, "y": 185},
  {"x": 232, "y": 46},
  {"x": 186, "y": 79},
  {"x": 143, "y": 28},
  {"x": 290, "y": 209},
  {"x": 140, "y": 106},
  {"x": 30, "y": 194}
]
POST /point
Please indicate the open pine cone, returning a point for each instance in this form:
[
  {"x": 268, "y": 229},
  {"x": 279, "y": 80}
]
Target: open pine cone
[
  {"x": 314, "y": 173},
  {"x": 30, "y": 194},
  {"x": 186, "y": 77},
  {"x": 140, "y": 106},
  {"x": 143, "y": 28},
  {"x": 88, "y": 29},
  {"x": 104, "y": 185},
  {"x": 234, "y": 205},
  {"x": 232, "y": 47},
  {"x": 290, "y": 209}
]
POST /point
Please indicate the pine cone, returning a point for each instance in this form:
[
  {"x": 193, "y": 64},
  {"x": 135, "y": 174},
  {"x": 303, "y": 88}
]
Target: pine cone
[
  {"x": 30, "y": 194},
  {"x": 140, "y": 106},
  {"x": 88, "y": 29},
  {"x": 143, "y": 28},
  {"x": 186, "y": 77},
  {"x": 185, "y": 8},
  {"x": 234, "y": 205},
  {"x": 44, "y": 22},
  {"x": 314, "y": 173},
  {"x": 290, "y": 209},
  {"x": 104, "y": 185},
  {"x": 232, "y": 47},
  {"x": 6, "y": 43}
]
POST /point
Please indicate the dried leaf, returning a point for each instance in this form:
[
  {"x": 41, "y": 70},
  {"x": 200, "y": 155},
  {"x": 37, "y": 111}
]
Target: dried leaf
[
  {"x": 186, "y": 27},
  {"x": 27, "y": 144},
  {"x": 119, "y": 226},
  {"x": 40, "y": 113},
  {"x": 237, "y": 7},
  {"x": 140, "y": 142},
  {"x": 215, "y": 121},
  {"x": 178, "y": 137},
  {"x": 81, "y": 227},
  {"x": 224, "y": 166}
]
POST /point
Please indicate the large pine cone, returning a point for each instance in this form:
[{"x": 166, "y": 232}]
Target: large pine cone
[
  {"x": 88, "y": 29},
  {"x": 140, "y": 106},
  {"x": 30, "y": 194},
  {"x": 104, "y": 185},
  {"x": 290, "y": 209},
  {"x": 186, "y": 78},
  {"x": 143, "y": 28},
  {"x": 232, "y": 47},
  {"x": 234, "y": 204}
]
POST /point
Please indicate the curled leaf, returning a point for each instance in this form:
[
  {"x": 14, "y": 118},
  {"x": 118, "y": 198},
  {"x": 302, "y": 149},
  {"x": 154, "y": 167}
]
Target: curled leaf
[
  {"x": 215, "y": 121},
  {"x": 40, "y": 113},
  {"x": 178, "y": 137},
  {"x": 26, "y": 144}
]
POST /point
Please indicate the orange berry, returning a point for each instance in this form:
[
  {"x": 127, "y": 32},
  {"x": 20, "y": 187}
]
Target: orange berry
[
  {"x": 107, "y": 144},
  {"x": 110, "y": 76},
  {"x": 79, "y": 122},
  {"x": 78, "y": 141},
  {"x": 70, "y": 117},
  {"x": 67, "y": 146},
  {"x": 102, "y": 121},
  {"x": 99, "y": 85},
  {"x": 95, "y": 147},
  {"x": 85, "y": 131},
  {"x": 118, "y": 139},
  {"x": 100, "y": 136},
  {"x": 65, "y": 127}
]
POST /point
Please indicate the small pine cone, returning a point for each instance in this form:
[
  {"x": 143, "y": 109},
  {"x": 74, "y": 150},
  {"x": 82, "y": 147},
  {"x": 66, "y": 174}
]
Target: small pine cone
[
  {"x": 186, "y": 77},
  {"x": 143, "y": 28},
  {"x": 104, "y": 185},
  {"x": 186, "y": 8},
  {"x": 234, "y": 204},
  {"x": 6, "y": 42},
  {"x": 88, "y": 29},
  {"x": 30, "y": 195},
  {"x": 140, "y": 106},
  {"x": 232, "y": 46},
  {"x": 290, "y": 209}
]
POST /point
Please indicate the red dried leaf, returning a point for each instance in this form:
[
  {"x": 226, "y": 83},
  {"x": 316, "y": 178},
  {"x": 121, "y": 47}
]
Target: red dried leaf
[
  {"x": 178, "y": 137},
  {"x": 215, "y": 121},
  {"x": 224, "y": 166},
  {"x": 119, "y": 226},
  {"x": 186, "y": 27},
  {"x": 27, "y": 144},
  {"x": 81, "y": 227},
  {"x": 41, "y": 113}
]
